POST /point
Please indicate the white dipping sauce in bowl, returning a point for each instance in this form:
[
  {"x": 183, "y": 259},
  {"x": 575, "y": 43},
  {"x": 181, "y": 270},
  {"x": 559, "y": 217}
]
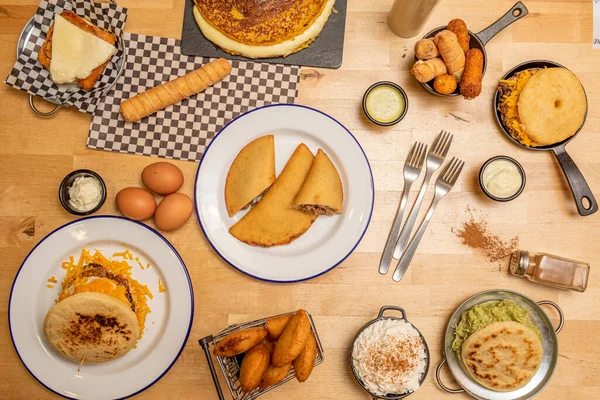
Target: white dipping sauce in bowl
[{"x": 501, "y": 178}]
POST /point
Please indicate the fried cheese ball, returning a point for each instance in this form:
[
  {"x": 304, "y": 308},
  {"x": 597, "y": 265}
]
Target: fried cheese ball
[{"x": 445, "y": 84}]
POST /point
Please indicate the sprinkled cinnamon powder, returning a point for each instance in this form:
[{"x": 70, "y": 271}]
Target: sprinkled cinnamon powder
[{"x": 474, "y": 233}]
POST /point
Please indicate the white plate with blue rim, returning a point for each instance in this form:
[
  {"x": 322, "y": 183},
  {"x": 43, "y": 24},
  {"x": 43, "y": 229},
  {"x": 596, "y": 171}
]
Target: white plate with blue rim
[
  {"x": 167, "y": 325},
  {"x": 330, "y": 240}
]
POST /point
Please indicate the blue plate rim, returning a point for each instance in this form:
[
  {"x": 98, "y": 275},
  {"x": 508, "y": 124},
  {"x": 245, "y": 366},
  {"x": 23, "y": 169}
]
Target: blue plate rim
[
  {"x": 293, "y": 280},
  {"x": 185, "y": 270}
]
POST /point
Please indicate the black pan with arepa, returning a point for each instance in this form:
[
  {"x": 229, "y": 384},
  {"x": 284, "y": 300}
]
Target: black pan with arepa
[{"x": 584, "y": 198}]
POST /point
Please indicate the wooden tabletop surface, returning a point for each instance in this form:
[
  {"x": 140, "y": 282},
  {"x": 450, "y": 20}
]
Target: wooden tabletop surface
[{"x": 36, "y": 153}]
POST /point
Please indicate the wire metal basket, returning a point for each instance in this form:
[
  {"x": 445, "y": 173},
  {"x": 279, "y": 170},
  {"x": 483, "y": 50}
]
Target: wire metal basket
[
  {"x": 230, "y": 366},
  {"x": 118, "y": 64}
]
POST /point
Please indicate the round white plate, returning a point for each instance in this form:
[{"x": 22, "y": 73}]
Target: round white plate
[
  {"x": 330, "y": 239},
  {"x": 167, "y": 325}
]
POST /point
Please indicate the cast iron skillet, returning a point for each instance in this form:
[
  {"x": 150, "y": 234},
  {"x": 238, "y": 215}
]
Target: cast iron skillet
[
  {"x": 584, "y": 198},
  {"x": 379, "y": 318},
  {"x": 479, "y": 40}
]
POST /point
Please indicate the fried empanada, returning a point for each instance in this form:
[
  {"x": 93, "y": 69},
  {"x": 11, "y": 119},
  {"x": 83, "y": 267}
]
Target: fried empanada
[
  {"x": 275, "y": 326},
  {"x": 305, "y": 362},
  {"x": 270, "y": 345},
  {"x": 322, "y": 192},
  {"x": 272, "y": 222},
  {"x": 254, "y": 366},
  {"x": 292, "y": 340},
  {"x": 239, "y": 342},
  {"x": 251, "y": 174},
  {"x": 274, "y": 375}
]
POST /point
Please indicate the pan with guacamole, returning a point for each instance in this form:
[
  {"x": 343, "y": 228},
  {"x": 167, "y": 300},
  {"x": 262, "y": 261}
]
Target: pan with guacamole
[{"x": 499, "y": 345}]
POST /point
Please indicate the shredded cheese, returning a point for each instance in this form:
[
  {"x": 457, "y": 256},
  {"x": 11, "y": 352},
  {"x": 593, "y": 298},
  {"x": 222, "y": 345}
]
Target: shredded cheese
[
  {"x": 511, "y": 102},
  {"x": 52, "y": 280},
  {"x": 74, "y": 282},
  {"x": 161, "y": 286},
  {"x": 137, "y": 259},
  {"x": 124, "y": 254}
]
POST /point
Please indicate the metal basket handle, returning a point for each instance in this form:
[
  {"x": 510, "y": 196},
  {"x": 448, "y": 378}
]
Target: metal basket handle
[
  {"x": 41, "y": 113},
  {"x": 438, "y": 378},
  {"x": 561, "y": 321},
  {"x": 59, "y": 106},
  {"x": 204, "y": 342}
]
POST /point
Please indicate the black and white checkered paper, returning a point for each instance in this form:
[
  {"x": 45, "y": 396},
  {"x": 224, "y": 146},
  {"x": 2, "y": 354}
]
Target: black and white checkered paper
[
  {"x": 184, "y": 130},
  {"x": 30, "y": 76}
]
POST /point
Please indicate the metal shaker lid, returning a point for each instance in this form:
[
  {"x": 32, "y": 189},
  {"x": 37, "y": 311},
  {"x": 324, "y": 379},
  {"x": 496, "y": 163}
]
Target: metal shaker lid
[{"x": 518, "y": 262}]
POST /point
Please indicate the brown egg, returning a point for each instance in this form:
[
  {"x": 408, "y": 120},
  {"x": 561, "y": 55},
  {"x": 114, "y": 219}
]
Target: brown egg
[
  {"x": 173, "y": 211},
  {"x": 162, "y": 178},
  {"x": 136, "y": 203}
]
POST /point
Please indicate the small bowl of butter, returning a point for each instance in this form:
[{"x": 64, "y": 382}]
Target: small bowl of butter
[
  {"x": 82, "y": 192},
  {"x": 385, "y": 103},
  {"x": 502, "y": 178}
]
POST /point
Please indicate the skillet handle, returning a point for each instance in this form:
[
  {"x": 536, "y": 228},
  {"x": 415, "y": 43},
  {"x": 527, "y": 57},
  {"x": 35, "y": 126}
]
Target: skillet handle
[
  {"x": 438, "y": 378},
  {"x": 385, "y": 308},
  {"x": 516, "y": 12},
  {"x": 584, "y": 198},
  {"x": 561, "y": 322}
]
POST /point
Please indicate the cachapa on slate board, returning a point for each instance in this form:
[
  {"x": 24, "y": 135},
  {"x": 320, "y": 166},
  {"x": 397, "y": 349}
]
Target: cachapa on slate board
[{"x": 325, "y": 52}]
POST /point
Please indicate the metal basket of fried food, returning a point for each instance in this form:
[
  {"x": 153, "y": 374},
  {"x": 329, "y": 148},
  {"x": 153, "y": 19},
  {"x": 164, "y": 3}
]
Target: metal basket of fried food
[{"x": 248, "y": 339}]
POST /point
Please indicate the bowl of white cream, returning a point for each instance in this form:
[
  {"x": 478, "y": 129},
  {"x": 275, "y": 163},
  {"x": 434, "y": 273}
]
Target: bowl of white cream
[
  {"x": 389, "y": 356},
  {"x": 502, "y": 178},
  {"x": 82, "y": 192}
]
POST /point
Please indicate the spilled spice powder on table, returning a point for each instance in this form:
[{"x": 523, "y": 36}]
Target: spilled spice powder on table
[{"x": 474, "y": 233}]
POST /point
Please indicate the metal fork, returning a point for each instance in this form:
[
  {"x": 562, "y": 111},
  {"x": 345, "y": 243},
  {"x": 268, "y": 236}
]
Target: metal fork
[
  {"x": 435, "y": 159},
  {"x": 443, "y": 185},
  {"x": 412, "y": 169}
]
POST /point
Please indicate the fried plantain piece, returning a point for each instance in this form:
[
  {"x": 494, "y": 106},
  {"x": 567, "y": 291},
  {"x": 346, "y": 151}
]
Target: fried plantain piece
[
  {"x": 274, "y": 375},
  {"x": 292, "y": 340},
  {"x": 305, "y": 362},
  {"x": 239, "y": 342},
  {"x": 275, "y": 326},
  {"x": 254, "y": 366}
]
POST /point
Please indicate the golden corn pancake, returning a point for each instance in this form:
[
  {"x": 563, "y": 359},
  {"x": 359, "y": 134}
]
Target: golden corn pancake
[{"x": 259, "y": 29}]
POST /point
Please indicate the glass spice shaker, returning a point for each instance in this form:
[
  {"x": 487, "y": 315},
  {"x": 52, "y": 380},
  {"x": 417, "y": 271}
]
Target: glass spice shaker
[
  {"x": 550, "y": 270},
  {"x": 408, "y": 17}
]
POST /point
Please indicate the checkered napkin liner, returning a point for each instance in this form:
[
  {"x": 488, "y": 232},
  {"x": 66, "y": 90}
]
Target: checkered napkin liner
[
  {"x": 184, "y": 130},
  {"x": 30, "y": 76}
]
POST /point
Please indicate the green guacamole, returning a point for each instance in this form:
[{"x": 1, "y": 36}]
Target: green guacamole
[{"x": 485, "y": 314}]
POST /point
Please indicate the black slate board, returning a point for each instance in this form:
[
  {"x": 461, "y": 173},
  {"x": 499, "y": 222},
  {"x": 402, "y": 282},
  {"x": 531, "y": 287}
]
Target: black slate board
[{"x": 325, "y": 52}]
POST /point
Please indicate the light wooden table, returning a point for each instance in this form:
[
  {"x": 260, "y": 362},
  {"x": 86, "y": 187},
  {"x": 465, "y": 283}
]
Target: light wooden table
[{"x": 36, "y": 153}]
